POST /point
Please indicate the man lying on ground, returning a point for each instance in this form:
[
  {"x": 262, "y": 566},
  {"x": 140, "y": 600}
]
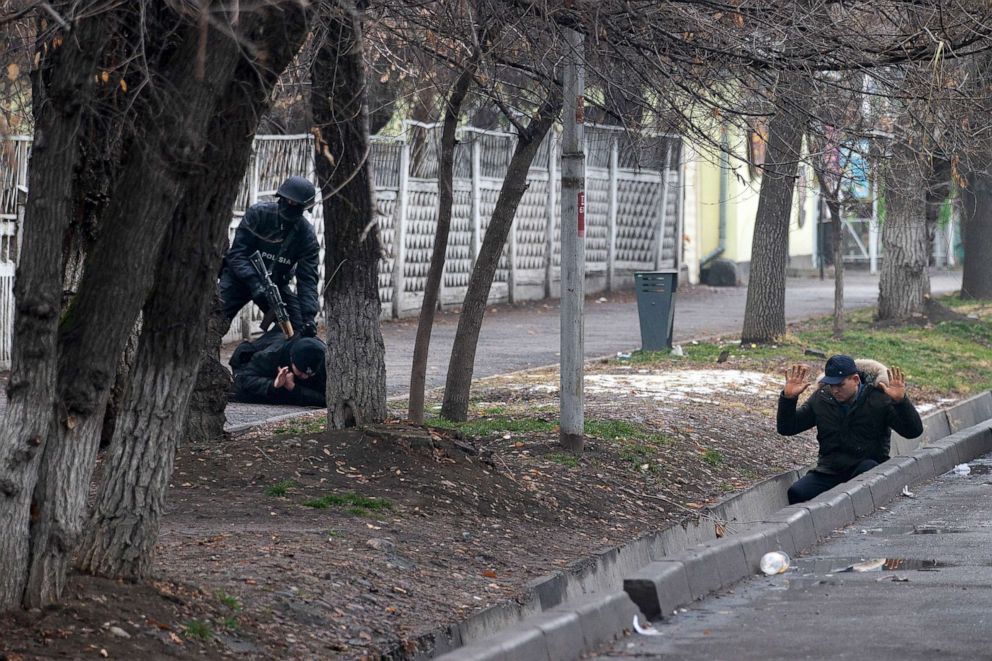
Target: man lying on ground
[
  {"x": 274, "y": 370},
  {"x": 854, "y": 410}
]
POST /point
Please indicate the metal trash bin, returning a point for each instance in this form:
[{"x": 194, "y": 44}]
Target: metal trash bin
[{"x": 656, "y": 307}]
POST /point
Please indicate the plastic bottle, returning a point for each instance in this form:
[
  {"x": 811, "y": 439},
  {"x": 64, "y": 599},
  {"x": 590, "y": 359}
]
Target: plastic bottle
[{"x": 775, "y": 562}]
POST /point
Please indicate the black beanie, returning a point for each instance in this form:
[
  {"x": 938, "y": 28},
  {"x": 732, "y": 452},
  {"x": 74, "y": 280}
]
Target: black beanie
[{"x": 307, "y": 355}]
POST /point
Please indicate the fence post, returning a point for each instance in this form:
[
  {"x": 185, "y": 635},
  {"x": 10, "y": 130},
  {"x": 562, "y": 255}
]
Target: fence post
[
  {"x": 399, "y": 235},
  {"x": 476, "y": 173},
  {"x": 244, "y": 317},
  {"x": 551, "y": 215},
  {"x": 679, "y": 209},
  {"x": 611, "y": 215},
  {"x": 951, "y": 260},
  {"x": 253, "y": 181},
  {"x": 663, "y": 211},
  {"x": 511, "y": 264}
]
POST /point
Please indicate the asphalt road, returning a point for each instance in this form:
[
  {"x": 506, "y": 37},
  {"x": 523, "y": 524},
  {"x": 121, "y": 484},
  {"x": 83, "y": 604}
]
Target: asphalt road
[
  {"x": 932, "y": 601},
  {"x": 526, "y": 336}
]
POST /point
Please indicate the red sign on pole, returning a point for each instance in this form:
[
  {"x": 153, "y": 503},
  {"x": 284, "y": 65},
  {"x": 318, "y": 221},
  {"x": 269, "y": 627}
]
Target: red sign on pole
[{"x": 582, "y": 213}]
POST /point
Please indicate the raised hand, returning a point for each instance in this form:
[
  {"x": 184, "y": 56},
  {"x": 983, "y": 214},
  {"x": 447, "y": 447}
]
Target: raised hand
[
  {"x": 896, "y": 388},
  {"x": 283, "y": 379},
  {"x": 795, "y": 380}
]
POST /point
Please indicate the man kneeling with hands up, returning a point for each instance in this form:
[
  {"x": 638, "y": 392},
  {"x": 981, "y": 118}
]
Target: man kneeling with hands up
[{"x": 854, "y": 409}]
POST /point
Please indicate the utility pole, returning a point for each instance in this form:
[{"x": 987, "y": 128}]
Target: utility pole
[{"x": 573, "y": 232}]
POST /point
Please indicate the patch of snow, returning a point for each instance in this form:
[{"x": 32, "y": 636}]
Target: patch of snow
[
  {"x": 693, "y": 385},
  {"x": 939, "y": 404}
]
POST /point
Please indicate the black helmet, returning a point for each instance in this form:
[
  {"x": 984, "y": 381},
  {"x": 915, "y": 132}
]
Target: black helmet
[{"x": 297, "y": 190}]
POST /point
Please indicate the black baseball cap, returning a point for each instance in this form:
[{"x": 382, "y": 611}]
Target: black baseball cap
[
  {"x": 307, "y": 355},
  {"x": 838, "y": 368}
]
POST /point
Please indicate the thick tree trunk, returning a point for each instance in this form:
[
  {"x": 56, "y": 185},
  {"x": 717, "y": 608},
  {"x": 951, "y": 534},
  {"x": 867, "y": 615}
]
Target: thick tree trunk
[
  {"x": 356, "y": 366},
  {"x": 122, "y": 531},
  {"x": 462, "y": 363},
  {"x": 904, "y": 280},
  {"x": 168, "y": 141},
  {"x": 205, "y": 416},
  {"x": 61, "y": 91},
  {"x": 421, "y": 347},
  {"x": 764, "y": 314},
  {"x": 976, "y": 234}
]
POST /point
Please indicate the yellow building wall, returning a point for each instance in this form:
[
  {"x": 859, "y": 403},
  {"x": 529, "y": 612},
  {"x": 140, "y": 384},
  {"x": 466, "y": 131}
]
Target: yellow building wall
[{"x": 742, "y": 207}]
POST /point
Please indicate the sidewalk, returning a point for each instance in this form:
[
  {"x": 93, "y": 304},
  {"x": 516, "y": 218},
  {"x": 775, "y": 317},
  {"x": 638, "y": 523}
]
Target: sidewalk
[
  {"x": 526, "y": 336},
  {"x": 931, "y": 600}
]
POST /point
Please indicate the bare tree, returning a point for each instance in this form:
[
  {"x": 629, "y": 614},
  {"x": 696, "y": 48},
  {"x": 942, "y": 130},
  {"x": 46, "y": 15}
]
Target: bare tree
[
  {"x": 764, "y": 315},
  {"x": 62, "y": 86},
  {"x": 462, "y": 363},
  {"x": 356, "y": 378},
  {"x": 976, "y": 280},
  {"x": 425, "y": 324},
  {"x": 120, "y": 536}
]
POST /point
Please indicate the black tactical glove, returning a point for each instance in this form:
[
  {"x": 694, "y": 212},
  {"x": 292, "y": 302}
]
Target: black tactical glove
[
  {"x": 309, "y": 329},
  {"x": 258, "y": 296}
]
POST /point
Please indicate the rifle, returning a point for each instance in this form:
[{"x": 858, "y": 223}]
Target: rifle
[{"x": 277, "y": 308}]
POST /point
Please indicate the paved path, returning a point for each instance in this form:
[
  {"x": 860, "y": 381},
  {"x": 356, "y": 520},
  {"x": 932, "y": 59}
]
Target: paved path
[
  {"x": 936, "y": 602},
  {"x": 525, "y": 336}
]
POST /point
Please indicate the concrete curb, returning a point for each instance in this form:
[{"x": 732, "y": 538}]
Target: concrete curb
[
  {"x": 655, "y": 588},
  {"x": 565, "y": 632},
  {"x": 660, "y": 573}
]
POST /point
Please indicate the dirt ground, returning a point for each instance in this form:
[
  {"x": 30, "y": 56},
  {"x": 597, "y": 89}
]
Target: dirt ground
[{"x": 288, "y": 542}]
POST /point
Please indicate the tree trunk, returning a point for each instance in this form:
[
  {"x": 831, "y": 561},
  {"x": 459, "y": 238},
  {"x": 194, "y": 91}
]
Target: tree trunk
[
  {"x": 205, "y": 414},
  {"x": 356, "y": 367},
  {"x": 62, "y": 87},
  {"x": 904, "y": 280},
  {"x": 764, "y": 314},
  {"x": 976, "y": 234},
  {"x": 170, "y": 132},
  {"x": 462, "y": 363},
  {"x": 837, "y": 222},
  {"x": 121, "y": 533},
  {"x": 421, "y": 347}
]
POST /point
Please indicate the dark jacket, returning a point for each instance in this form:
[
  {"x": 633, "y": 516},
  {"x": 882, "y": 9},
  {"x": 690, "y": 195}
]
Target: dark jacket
[
  {"x": 848, "y": 439},
  {"x": 263, "y": 229},
  {"x": 254, "y": 373}
]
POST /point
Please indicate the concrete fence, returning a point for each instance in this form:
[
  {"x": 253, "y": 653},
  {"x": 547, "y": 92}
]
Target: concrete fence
[{"x": 633, "y": 212}]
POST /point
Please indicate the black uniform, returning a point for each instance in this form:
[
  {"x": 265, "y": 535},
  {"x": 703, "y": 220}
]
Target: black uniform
[
  {"x": 256, "y": 364},
  {"x": 289, "y": 248}
]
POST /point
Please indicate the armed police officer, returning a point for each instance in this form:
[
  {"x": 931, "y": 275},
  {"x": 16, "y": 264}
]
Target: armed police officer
[{"x": 288, "y": 245}]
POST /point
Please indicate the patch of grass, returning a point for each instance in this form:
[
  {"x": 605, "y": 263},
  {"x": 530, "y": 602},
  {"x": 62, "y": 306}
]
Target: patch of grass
[
  {"x": 712, "y": 457},
  {"x": 279, "y": 489},
  {"x": 967, "y": 305},
  {"x": 314, "y": 426},
  {"x": 230, "y": 623},
  {"x": 228, "y": 600},
  {"x": 198, "y": 629},
  {"x": 499, "y": 424},
  {"x": 564, "y": 458},
  {"x": 621, "y": 430},
  {"x": 949, "y": 357},
  {"x": 634, "y": 454},
  {"x": 357, "y": 505}
]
